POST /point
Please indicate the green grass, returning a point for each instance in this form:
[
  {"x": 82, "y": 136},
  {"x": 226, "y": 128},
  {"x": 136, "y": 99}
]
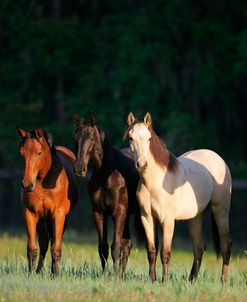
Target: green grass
[{"x": 81, "y": 278}]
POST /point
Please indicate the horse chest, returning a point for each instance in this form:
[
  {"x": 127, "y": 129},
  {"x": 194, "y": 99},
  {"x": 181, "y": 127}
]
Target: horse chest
[
  {"x": 102, "y": 199},
  {"x": 103, "y": 193},
  {"x": 40, "y": 204},
  {"x": 155, "y": 201}
]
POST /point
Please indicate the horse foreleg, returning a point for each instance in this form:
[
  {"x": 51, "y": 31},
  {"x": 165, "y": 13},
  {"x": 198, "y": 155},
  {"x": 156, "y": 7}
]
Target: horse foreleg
[
  {"x": 150, "y": 229},
  {"x": 101, "y": 226},
  {"x": 168, "y": 230},
  {"x": 116, "y": 248},
  {"x": 196, "y": 234},
  {"x": 126, "y": 244},
  {"x": 31, "y": 223},
  {"x": 43, "y": 239},
  {"x": 56, "y": 249}
]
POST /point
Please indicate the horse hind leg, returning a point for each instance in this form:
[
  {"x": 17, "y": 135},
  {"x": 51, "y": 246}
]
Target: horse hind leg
[
  {"x": 103, "y": 247},
  {"x": 196, "y": 234},
  {"x": 43, "y": 239},
  {"x": 221, "y": 218}
]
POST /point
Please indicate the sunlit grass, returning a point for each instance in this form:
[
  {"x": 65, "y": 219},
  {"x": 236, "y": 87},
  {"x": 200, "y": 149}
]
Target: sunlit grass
[{"x": 82, "y": 279}]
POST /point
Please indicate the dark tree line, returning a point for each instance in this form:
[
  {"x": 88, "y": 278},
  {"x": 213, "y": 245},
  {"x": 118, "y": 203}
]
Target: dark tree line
[{"x": 183, "y": 61}]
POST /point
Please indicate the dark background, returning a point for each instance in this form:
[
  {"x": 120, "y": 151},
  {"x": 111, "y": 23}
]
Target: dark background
[{"x": 183, "y": 61}]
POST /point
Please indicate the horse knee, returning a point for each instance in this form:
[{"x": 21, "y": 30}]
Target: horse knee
[
  {"x": 126, "y": 246},
  {"x": 32, "y": 251},
  {"x": 165, "y": 257},
  {"x": 198, "y": 251},
  {"x": 116, "y": 250},
  {"x": 151, "y": 250},
  {"x": 56, "y": 253}
]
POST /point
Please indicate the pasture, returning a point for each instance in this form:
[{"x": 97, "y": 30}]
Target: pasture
[{"x": 81, "y": 278}]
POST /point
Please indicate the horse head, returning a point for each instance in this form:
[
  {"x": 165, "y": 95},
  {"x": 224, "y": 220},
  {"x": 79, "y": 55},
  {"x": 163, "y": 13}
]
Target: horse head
[
  {"x": 87, "y": 138},
  {"x": 139, "y": 135},
  {"x": 35, "y": 149}
]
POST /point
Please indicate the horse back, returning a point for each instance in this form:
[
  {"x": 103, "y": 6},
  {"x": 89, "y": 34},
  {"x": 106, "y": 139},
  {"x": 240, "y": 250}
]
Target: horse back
[
  {"x": 66, "y": 153},
  {"x": 68, "y": 159}
]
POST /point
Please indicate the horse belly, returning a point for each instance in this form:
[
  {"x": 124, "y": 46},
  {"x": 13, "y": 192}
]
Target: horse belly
[
  {"x": 194, "y": 194},
  {"x": 191, "y": 203}
]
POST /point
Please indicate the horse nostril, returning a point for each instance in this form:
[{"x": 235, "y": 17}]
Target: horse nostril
[
  {"x": 28, "y": 187},
  {"x": 84, "y": 171},
  {"x": 77, "y": 168},
  {"x": 141, "y": 168}
]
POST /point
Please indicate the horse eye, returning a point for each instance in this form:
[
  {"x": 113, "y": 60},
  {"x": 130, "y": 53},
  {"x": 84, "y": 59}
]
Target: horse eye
[
  {"x": 130, "y": 138},
  {"x": 149, "y": 138},
  {"x": 39, "y": 153}
]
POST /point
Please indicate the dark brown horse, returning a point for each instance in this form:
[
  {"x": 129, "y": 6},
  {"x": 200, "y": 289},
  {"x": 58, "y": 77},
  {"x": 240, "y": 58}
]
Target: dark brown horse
[
  {"x": 112, "y": 189},
  {"x": 50, "y": 191}
]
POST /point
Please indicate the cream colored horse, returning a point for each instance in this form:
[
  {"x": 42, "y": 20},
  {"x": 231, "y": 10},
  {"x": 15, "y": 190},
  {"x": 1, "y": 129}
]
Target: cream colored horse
[{"x": 179, "y": 189}]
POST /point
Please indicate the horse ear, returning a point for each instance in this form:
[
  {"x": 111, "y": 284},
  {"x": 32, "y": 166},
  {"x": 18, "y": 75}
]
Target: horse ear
[
  {"x": 130, "y": 119},
  {"x": 76, "y": 119},
  {"x": 147, "y": 119},
  {"x": 93, "y": 118},
  {"x": 39, "y": 132},
  {"x": 21, "y": 132},
  {"x": 49, "y": 139}
]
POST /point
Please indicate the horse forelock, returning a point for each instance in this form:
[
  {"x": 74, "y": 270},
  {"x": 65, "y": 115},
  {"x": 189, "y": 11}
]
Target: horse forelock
[
  {"x": 129, "y": 128},
  {"x": 31, "y": 134}
]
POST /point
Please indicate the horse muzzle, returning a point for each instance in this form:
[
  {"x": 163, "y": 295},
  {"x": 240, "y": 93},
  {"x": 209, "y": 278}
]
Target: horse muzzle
[
  {"x": 28, "y": 187},
  {"x": 141, "y": 168},
  {"x": 79, "y": 171}
]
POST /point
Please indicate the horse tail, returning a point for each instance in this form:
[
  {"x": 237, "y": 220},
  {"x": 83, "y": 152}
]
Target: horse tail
[{"x": 216, "y": 236}]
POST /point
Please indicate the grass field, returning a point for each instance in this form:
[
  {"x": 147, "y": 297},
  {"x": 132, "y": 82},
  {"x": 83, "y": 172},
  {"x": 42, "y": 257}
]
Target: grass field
[{"x": 82, "y": 280}]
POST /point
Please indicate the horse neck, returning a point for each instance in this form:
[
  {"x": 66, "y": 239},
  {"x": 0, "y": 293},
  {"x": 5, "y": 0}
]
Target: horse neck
[
  {"x": 48, "y": 160},
  {"x": 153, "y": 170},
  {"x": 102, "y": 156}
]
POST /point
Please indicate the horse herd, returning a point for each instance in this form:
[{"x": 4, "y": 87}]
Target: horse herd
[{"x": 145, "y": 180}]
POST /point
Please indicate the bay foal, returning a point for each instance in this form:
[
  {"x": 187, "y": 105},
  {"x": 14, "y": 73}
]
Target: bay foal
[{"x": 50, "y": 191}]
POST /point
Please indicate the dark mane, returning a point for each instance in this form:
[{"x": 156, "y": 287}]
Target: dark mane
[{"x": 161, "y": 154}]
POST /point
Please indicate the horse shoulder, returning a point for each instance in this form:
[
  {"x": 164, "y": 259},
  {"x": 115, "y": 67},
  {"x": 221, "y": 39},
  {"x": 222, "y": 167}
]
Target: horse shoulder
[
  {"x": 144, "y": 199},
  {"x": 67, "y": 177}
]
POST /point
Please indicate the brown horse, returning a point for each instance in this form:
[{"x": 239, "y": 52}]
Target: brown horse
[
  {"x": 112, "y": 189},
  {"x": 50, "y": 191}
]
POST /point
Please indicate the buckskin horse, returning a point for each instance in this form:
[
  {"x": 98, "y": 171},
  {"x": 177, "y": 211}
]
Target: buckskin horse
[
  {"x": 50, "y": 191},
  {"x": 180, "y": 188},
  {"x": 112, "y": 189}
]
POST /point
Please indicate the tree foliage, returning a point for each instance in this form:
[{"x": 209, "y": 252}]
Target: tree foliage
[{"x": 184, "y": 61}]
